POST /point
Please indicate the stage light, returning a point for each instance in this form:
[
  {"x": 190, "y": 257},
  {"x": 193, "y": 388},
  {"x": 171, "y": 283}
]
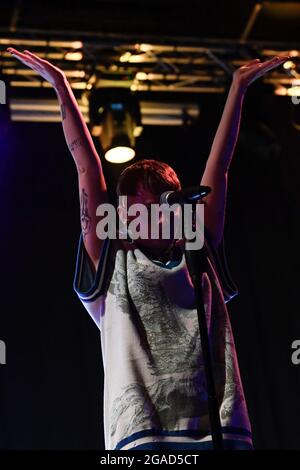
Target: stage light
[
  {"x": 141, "y": 76},
  {"x": 284, "y": 91},
  {"x": 74, "y": 55},
  {"x": 77, "y": 45},
  {"x": 134, "y": 87},
  {"x": 119, "y": 154},
  {"x": 135, "y": 58},
  {"x": 289, "y": 64},
  {"x": 139, "y": 58},
  {"x": 125, "y": 57},
  {"x": 145, "y": 47},
  {"x": 280, "y": 91},
  {"x": 115, "y": 118},
  {"x": 293, "y": 91}
]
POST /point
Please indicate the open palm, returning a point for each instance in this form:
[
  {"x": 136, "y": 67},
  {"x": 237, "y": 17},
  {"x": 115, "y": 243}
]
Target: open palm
[
  {"x": 254, "y": 69},
  {"x": 244, "y": 75},
  {"x": 44, "y": 68}
]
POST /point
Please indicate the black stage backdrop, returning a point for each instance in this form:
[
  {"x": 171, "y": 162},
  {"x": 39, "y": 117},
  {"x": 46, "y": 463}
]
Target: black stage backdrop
[{"x": 51, "y": 386}]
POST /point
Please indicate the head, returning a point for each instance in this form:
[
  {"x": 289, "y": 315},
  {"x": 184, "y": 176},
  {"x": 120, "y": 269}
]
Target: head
[{"x": 143, "y": 182}]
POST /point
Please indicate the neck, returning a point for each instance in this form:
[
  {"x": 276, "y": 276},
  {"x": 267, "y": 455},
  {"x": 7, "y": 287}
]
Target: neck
[{"x": 159, "y": 254}]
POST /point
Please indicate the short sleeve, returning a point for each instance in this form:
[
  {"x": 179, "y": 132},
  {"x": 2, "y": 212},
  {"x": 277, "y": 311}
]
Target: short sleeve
[
  {"x": 89, "y": 285},
  {"x": 218, "y": 258}
]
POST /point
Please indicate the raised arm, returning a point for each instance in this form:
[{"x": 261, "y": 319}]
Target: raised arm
[
  {"x": 216, "y": 170},
  {"x": 92, "y": 186}
]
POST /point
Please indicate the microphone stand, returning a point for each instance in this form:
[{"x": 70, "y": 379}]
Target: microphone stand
[{"x": 197, "y": 265}]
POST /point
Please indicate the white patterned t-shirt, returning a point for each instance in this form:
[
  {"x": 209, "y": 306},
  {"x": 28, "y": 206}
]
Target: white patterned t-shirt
[{"x": 154, "y": 385}]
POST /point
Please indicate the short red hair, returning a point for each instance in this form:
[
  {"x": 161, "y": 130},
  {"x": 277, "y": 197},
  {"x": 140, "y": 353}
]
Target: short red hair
[{"x": 153, "y": 175}]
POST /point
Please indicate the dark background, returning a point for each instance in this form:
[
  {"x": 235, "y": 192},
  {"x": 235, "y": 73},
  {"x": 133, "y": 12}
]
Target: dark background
[{"x": 51, "y": 387}]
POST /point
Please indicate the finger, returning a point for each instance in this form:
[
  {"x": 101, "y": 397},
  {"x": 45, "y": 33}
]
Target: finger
[
  {"x": 11, "y": 49},
  {"x": 22, "y": 57},
  {"x": 251, "y": 62},
  {"x": 276, "y": 60},
  {"x": 284, "y": 58},
  {"x": 26, "y": 51},
  {"x": 16, "y": 53},
  {"x": 267, "y": 64},
  {"x": 26, "y": 60},
  {"x": 273, "y": 64},
  {"x": 33, "y": 56}
]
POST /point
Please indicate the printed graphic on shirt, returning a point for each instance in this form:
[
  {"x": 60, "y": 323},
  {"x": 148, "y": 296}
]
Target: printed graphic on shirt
[
  {"x": 169, "y": 334},
  {"x": 150, "y": 336},
  {"x": 162, "y": 404}
]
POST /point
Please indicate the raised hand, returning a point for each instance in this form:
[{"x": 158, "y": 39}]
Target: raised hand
[
  {"x": 254, "y": 69},
  {"x": 215, "y": 174},
  {"x": 92, "y": 186},
  {"x": 44, "y": 68}
]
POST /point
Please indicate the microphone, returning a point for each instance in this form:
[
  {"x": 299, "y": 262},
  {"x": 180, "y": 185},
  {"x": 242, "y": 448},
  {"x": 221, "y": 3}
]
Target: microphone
[{"x": 183, "y": 196}]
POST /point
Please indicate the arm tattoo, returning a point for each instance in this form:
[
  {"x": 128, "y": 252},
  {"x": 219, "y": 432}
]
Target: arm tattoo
[
  {"x": 63, "y": 111},
  {"x": 84, "y": 214},
  {"x": 75, "y": 144}
]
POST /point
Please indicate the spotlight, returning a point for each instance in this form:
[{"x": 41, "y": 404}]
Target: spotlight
[
  {"x": 115, "y": 114},
  {"x": 141, "y": 76},
  {"x": 293, "y": 91},
  {"x": 294, "y": 53},
  {"x": 119, "y": 154},
  {"x": 289, "y": 65},
  {"x": 125, "y": 57},
  {"x": 73, "y": 55},
  {"x": 281, "y": 91}
]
